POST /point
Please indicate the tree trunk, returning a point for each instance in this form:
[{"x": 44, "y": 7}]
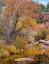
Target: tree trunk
[{"x": 11, "y": 33}]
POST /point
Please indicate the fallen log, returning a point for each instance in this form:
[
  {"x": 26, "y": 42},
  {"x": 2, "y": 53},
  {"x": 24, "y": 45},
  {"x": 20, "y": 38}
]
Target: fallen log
[{"x": 24, "y": 60}]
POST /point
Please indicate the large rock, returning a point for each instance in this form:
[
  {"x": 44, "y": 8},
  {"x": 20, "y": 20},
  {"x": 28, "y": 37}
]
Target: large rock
[
  {"x": 43, "y": 46},
  {"x": 42, "y": 41},
  {"x": 47, "y": 42},
  {"x": 24, "y": 60}
]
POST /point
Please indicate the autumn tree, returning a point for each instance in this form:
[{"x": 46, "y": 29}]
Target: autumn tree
[
  {"x": 47, "y": 5},
  {"x": 16, "y": 10}
]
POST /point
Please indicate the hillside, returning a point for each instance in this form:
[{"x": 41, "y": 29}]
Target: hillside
[{"x": 24, "y": 32}]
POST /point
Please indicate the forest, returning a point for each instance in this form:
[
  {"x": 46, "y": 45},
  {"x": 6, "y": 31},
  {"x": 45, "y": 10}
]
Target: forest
[{"x": 24, "y": 32}]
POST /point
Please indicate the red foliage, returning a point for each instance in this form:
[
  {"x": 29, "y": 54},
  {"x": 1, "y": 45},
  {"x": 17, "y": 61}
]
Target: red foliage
[
  {"x": 27, "y": 6},
  {"x": 39, "y": 27}
]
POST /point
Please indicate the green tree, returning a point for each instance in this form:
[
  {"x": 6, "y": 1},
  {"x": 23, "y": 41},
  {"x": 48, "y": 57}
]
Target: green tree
[
  {"x": 47, "y": 5},
  {"x": 42, "y": 6}
]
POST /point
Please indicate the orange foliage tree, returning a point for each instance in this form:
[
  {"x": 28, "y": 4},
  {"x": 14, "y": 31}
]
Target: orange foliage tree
[
  {"x": 28, "y": 7},
  {"x": 17, "y": 9},
  {"x": 39, "y": 27}
]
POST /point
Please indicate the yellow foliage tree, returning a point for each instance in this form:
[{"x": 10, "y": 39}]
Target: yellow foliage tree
[
  {"x": 20, "y": 42},
  {"x": 33, "y": 50},
  {"x": 24, "y": 22},
  {"x": 28, "y": 21},
  {"x": 19, "y": 25},
  {"x": 12, "y": 49},
  {"x": 4, "y": 53}
]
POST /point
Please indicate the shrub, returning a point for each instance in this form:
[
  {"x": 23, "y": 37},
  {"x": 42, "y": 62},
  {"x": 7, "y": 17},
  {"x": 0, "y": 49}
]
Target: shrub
[
  {"x": 12, "y": 49},
  {"x": 41, "y": 59},
  {"x": 44, "y": 33},
  {"x": 38, "y": 36},
  {"x": 33, "y": 50},
  {"x": 39, "y": 27},
  {"x": 41, "y": 34},
  {"x": 40, "y": 21},
  {"x": 4, "y": 53},
  {"x": 47, "y": 37},
  {"x": 20, "y": 42}
]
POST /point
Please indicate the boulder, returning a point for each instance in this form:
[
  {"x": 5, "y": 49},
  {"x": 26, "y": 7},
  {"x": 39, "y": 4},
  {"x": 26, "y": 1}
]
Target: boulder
[
  {"x": 47, "y": 42},
  {"x": 43, "y": 46},
  {"x": 42, "y": 41},
  {"x": 24, "y": 60}
]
